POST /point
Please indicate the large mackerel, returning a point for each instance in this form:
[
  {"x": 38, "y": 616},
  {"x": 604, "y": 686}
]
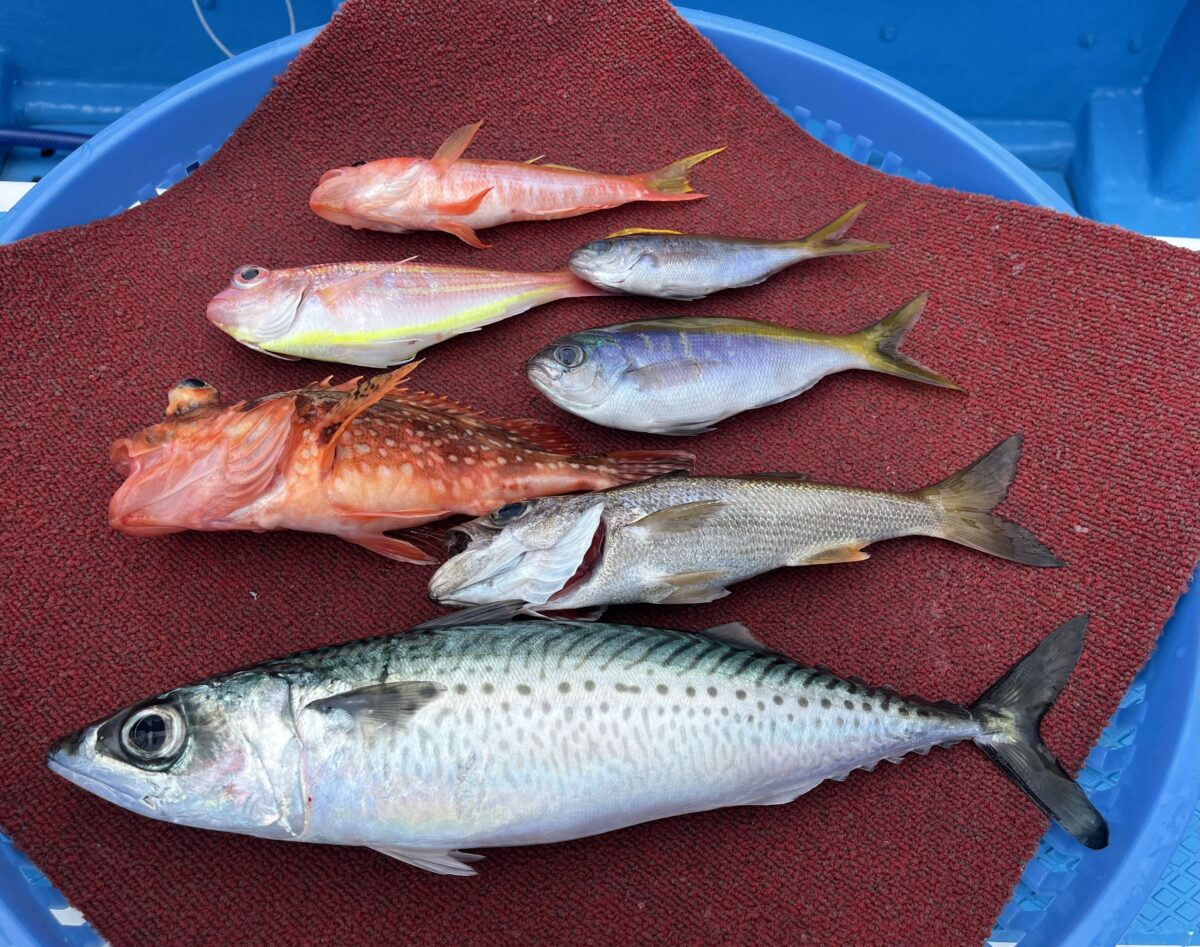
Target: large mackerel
[{"x": 487, "y": 734}]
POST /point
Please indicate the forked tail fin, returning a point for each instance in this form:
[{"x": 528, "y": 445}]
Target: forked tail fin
[
  {"x": 672, "y": 181},
  {"x": 1011, "y": 711},
  {"x": 967, "y": 498},
  {"x": 831, "y": 239},
  {"x": 879, "y": 345}
]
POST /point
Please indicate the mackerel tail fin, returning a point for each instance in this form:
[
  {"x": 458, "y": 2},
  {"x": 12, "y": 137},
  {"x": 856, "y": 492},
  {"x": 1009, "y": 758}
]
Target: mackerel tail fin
[
  {"x": 967, "y": 498},
  {"x": 671, "y": 183},
  {"x": 879, "y": 346},
  {"x": 831, "y": 239},
  {"x": 1011, "y": 711}
]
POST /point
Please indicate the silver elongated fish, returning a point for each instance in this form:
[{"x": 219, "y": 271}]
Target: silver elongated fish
[
  {"x": 684, "y": 374},
  {"x": 683, "y": 540},
  {"x": 424, "y": 744},
  {"x": 673, "y": 265}
]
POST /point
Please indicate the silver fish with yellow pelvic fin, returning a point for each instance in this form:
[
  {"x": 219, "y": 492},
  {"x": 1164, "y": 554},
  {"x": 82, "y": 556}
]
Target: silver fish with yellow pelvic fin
[
  {"x": 375, "y": 314},
  {"x": 684, "y": 374},
  {"x": 469, "y": 732},
  {"x": 668, "y": 264},
  {"x": 684, "y": 540}
]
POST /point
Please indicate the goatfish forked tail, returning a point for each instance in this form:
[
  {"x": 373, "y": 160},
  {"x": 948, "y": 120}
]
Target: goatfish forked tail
[
  {"x": 460, "y": 196},
  {"x": 668, "y": 264},
  {"x": 681, "y": 540},
  {"x": 375, "y": 314},
  {"x": 543, "y": 728},
  {"x": 682, "y": 375}
]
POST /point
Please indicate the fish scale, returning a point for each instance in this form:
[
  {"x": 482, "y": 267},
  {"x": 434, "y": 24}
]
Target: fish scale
[
  {"x": 684, "y": 540},
  {"x": 578, "y": 713},
  {"x": 470, "y": 733}
]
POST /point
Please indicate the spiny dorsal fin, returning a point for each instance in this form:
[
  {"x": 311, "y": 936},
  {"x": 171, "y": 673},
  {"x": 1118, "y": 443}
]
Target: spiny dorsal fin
[
  {"x": 533, "y": 160},
  {"x": 365, "y": 394},
  {"x": 564, "y": 167},
  {"x": 454, "y": 146},
  {"x": 677, "y": 519},
  {"x": 381, "y": 704},
  {"x": 735, "y": 633},
  {"x": 495, "y": 613},
  {"x": 631, "y": 231}
]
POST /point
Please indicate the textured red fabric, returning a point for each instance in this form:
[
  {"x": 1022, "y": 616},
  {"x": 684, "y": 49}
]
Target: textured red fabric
[{"x": 1082, "y": 336}]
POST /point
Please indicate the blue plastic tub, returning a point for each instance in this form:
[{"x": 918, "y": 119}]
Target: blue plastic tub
[{"x": 1142, "y": 774}]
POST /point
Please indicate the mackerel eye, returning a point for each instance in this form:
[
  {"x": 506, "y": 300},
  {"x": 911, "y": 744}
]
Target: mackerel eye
[
  {"x": 509, "y": 513},
  {"x": 357, "y": 164},
  {"x": 153, "y": 734},
  {"x": 569, "y": 356},
  {"x": 248, "y": 276}
]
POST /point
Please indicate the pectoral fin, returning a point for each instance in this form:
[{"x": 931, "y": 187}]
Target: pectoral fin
[
  {"x": 830, "y": 556},
  {"x": 335, "y": 293},
  {"x": 676, "y": 519},
  {"x": 463, "y": 207},
  {"x": 439, "y": 862},
  {"x": 453, "y": 147},
  {"x": 694, "y": 588},
  {"x": 672, "y": 374},
  {"x": 392, "y": 704}
]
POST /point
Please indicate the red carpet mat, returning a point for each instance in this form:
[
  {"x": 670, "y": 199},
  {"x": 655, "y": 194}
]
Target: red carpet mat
[{"x": 1084, "y": 337}]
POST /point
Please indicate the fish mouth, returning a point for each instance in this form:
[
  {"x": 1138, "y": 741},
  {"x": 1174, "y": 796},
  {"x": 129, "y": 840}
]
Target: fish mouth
[
  {"x": 57, "y": 762},
  {"x": 486, "y": 568}
]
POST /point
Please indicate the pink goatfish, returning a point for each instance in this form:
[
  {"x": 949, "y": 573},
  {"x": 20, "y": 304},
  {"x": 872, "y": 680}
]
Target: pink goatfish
[
  {"x": 460, "y": 196},
  {"x": 375, "y": 314}
]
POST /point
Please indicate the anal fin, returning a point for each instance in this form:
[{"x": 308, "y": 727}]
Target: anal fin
[
  {"x": 694, "y": 588},
  {"x": 396, "y": 549},
  {"x": 447, "y": 862},
  {"x": 828, "y": 557}
]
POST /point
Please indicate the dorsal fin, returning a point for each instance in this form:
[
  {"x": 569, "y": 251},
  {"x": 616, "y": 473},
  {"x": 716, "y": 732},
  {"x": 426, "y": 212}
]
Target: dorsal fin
[
  {"x": 365, "y": 394},
  {"x": 539, "y": 434},
  {"x": 631, "y": 231},
  {"x": 533, "y": 160},
  {"x": 563, "y": 167},
  {"x": 454, "y": 146},
  {"x": 735, "y": 633},
  {"x": 332, "y": 294},
  {"x": 434, "y": 402}
]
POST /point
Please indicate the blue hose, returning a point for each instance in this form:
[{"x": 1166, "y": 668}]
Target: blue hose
[{"x": 36, "y": 138}]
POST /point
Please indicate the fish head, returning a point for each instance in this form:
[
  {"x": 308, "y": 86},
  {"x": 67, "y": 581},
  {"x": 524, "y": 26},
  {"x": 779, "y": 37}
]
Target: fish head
[
  {"x": 200, "y": 465},
  {"x": 259, "y": 305},
  {"x": 578, "y": 372},
  {"x": 533, "y": 551},
  {"x": 610, "y": 263},
  {"x": 220, "y": 755},
  {"x": 366, "y": 192}
]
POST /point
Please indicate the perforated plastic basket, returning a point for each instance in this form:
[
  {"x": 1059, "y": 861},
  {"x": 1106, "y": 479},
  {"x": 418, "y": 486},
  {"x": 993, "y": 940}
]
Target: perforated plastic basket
[{"x": 1141, "y": 774}]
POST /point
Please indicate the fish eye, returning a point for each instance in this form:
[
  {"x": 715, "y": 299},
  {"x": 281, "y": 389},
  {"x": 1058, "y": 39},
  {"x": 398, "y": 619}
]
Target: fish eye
[
  {"x": 192, "y": 383},
  {"x": 153, "y": 734},
  {"x": 506, "y": 514},
  {"x": 569, "y": 356},
  {"x": 248, "y": 276},
  {"x": 601, "y": 246},
  {"x": 357, "y": 164}
]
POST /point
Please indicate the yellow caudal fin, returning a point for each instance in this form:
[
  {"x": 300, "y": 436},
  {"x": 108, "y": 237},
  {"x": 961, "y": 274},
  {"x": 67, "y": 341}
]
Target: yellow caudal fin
[
  {"x": 673, "y": 179},
  {"x": 831, "y": 239},
  {"x": 879, "y": 345}
]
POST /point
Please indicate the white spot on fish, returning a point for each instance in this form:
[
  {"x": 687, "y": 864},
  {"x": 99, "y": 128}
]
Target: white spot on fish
[
  {"x": 389, "y": 442},
  {"x": 383, "y": 452},
  {"x": 406, "y": 470},
  {"x": 363, "y": 448},
  {"x": 412, "y": 448},
  {"x": 453, "y": 458}
]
